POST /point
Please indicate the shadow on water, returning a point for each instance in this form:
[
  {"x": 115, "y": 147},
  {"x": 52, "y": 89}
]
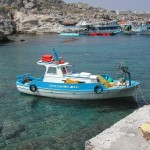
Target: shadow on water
[
  {"x": 65, "y": 121},
  {"x": 117, "y": 103}
]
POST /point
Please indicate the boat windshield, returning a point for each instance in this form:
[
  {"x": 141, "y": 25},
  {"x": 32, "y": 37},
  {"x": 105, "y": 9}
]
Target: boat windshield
[{"x": 69, "y": 69}]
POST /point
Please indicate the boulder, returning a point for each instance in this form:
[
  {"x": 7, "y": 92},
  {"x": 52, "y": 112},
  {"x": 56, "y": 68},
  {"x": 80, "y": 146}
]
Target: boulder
[
  {"x": 49, "y": 19},
  {"x": 34, "y": 11},
  {"x": 49, "y": 27},
  {"x": 7, "y": 26},
  {"x": 28, "y": 25},
  {"x": 5, "y": 14},
  {"x": 18, "y": 3},
  {"x": 68, "y": 22},
  {"x": 25, "y": 2},
  {"x": 30, "y": 20},
  {"x": 45, "y": 19},
  {"x": 18, "y": 16},
  {"x": 8, "y": 2},
  {"x": 11, "y": 129},
  {"x": 45, "y": 11},
  {"x": 29, "y": 5},
  {"x": 82, "y": 5},
  {"x": 3, "y": 38}
]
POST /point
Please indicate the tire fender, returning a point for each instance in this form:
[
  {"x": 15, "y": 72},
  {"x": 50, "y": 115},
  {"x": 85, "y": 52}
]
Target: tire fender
[
  {"x": 33, "y": 88},
  {"x": 98, "y": 89}
]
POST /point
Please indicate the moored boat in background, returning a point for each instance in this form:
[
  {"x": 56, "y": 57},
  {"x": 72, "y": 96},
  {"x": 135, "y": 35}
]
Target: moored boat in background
[
  {"x": 100, "y": 34},
  {"x": 143, "y": 29},
  {"x": 110, "y": 28},
  {"x": 72, "y": 31}
]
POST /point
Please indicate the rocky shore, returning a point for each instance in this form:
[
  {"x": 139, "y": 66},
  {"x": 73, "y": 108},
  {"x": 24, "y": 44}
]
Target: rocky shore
[
  {"x": 3, "y": 38},
  {"x": 48, "y": 16}
]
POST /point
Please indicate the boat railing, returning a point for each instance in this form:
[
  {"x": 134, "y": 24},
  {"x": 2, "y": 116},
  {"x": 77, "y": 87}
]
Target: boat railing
[{"x": 23, "y": 75}]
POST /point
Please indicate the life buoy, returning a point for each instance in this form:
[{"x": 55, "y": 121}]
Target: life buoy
[
  {"x": 98, "y": 89},
  {"x": 33, "y": 88}
]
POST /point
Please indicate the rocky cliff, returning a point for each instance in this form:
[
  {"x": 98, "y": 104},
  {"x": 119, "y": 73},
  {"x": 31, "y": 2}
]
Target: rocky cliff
[
  {"x": 28, "y": 4},
  {"x": 42, "y": 16},
  {"x": 29, "y": 16}
]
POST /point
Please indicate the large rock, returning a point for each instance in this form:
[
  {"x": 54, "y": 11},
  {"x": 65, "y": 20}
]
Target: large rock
[
  {"x": 68, "y": 22},
  {"x": 6, "y": 2},
  {"x": 7, "y": 25},
  {"x": 22, "y": 3},
  {"x": 18, "y": 3},
  {"x": 82, "y": 6},
  {"x": 11, "y": 129},
  {"x": 3, "y": 38},
  {"x": 49, "y": 28},
  {"x": 51, "y": 1},
  {"x": 5, "y": 14},
  {"x": 46, "y": 19},
  {"x": 30, "y": 20},
  {"x": 25, "y": 2},
  {"x": 28, "y": 25},
  {"x": 29, "y": 5}
]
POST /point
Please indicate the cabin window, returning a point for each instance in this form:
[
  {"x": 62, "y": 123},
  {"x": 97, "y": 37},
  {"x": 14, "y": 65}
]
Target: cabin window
[
  {"x": 51, "y": 70},
  {"x": 63, "y": 69}
]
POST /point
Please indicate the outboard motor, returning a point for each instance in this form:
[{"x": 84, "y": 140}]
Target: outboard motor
[{"x": 123, "y": 68}]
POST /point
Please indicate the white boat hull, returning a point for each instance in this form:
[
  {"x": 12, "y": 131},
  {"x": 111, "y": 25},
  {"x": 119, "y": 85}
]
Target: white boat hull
[{"x": 106, "y": 94}]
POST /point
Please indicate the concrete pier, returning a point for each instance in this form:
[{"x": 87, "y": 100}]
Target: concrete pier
[{"x": 124, "y": 135}]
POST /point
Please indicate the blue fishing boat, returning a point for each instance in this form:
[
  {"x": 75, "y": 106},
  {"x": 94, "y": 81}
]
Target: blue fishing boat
[
  {"x": 69, "y": 34},
  {"x": 60, "y": 82},
  {"x": 137, "y": 29},
  {"x": 110, "y": 28}
]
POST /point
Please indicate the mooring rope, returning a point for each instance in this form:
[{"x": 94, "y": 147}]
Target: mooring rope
[
  {"x": 136, "y": 97},
  {"x": 143, "y": 96}
]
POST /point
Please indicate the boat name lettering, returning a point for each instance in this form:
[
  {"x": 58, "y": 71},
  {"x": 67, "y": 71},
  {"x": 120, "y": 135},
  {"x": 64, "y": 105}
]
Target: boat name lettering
[{"x": 63, "y": 86}]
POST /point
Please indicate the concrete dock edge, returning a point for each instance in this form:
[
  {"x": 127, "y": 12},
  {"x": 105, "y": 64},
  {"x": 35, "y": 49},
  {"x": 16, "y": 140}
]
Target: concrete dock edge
[{"x": 124, "y": 135}]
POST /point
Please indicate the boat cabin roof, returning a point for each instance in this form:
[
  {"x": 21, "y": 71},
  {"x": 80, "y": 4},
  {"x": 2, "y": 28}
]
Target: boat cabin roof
[{"x": 52, "y": 64}]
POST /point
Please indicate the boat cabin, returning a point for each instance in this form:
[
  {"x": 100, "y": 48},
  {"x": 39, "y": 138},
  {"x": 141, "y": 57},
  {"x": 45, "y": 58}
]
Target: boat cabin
[{"x": 60, "y": 72}]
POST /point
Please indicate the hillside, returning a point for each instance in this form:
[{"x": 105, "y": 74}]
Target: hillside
[{"x": 44, "y": 16}]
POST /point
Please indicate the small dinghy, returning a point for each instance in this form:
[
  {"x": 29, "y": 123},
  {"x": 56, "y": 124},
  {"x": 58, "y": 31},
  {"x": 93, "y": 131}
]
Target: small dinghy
[{"x": 60, "y": 82}]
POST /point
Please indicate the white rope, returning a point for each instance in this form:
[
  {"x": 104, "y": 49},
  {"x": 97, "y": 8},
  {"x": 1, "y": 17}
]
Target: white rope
[
  {"x": 143, "y": 96},
  {"x": 136, "y": 98}
]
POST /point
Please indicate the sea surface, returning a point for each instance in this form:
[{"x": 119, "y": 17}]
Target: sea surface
[{"x": 39, "y": 123}]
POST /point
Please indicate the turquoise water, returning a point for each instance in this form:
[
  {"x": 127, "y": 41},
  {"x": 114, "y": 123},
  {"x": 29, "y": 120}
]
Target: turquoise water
[{"x": 29, "y": 122}]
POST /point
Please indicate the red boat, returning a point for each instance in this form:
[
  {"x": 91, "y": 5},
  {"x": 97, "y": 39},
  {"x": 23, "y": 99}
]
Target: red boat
[
  {"x": 104, "y": 34},
  {"x": 92, "y": 34},
  {"x": 100, "y": 34}
]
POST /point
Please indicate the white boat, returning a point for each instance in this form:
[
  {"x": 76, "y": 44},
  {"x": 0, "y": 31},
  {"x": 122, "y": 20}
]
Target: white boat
[
  {"x": 72, "y": 31},
  {"x": 59, "y": 82},
  {"x": 138, "y": 29},
  {"x": 110, "y": 27}
]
